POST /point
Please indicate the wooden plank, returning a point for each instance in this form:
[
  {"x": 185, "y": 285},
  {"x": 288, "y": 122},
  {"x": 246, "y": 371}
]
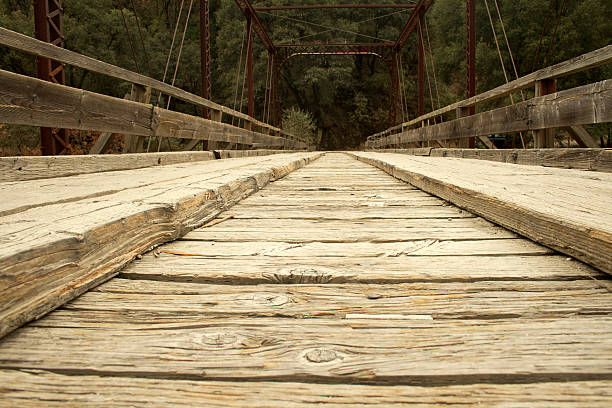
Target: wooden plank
[
  {"x": 325, "y": 269},
  {"x": 406, "y": 351},
  {"x": 23, "y": 168},
  {"x": 33, "y": 102},
  {"x": 581, "y": 136},
  {"x": 59, "y": 260},
  {"x": 577, "y": 106},
  {"x": 33, "y": 388},
  {"x": 357, "y": 213},
  {"x": 580, "y": 63},
  {"x": 171, "y": 301},
  {"x": 168, "y": 123},
  {"x": 307, "y": 231},
  {"x": 30, "y": 101},
  {"x": 423, "y": 247},
  {"x": 43, "y": 49},
  {"x": 23, "y": 195},
  {"x": 556, "y": 215},
  {"x": 597, "y": 159}
]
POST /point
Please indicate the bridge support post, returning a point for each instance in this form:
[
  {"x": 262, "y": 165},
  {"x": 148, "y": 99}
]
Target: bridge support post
[
  {"x": 276, "y": 103},
  {"x": 470, "y": 16},
  {"x": 394, "y": 88},
  {"x": 543, "y": 138},
  {"x": 249, "y": 50},
  {"x": 48, "y": 28},
  {"x": 421, "y": 64},
  {"x": 205, "y": 53}
]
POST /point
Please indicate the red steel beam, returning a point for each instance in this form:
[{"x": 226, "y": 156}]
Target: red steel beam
[
  {"x": 205, "y": 52},
  {"x": 48, "y": 28},
  {"x": 337, "y": 6},
  {"x": 470, "y": 15},
  {"x": 421, "y": 64},
  {"x": 249, "y": 12},
  {"x": 422, "y": 5},
  {"x": 249, "y": 60}
]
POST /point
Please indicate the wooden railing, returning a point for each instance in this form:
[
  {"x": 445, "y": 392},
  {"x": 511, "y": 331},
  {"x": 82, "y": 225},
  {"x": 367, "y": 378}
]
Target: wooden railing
[
  {"x": 582, "y": 105},
  {"x": 29, "y": 101}
]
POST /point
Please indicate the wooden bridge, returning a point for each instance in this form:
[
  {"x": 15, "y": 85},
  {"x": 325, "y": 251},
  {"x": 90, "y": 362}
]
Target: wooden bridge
[{"x": 258, "y": 273}]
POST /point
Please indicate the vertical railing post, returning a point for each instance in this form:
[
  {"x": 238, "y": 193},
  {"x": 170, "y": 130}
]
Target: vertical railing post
[{"x": 543, "y": 138}]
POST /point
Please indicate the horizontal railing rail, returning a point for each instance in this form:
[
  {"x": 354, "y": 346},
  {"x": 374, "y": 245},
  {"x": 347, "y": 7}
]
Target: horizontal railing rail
[
  {"x": 532, "y": 114},
  {"x": 267, "y": 134}
]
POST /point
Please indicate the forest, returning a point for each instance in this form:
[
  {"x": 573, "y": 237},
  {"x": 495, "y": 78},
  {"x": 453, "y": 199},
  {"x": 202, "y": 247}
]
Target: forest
[{"x": 337, "y": 100}]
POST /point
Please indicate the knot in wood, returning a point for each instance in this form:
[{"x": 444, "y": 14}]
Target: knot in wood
[
  {"x": 270, "y": 299},
  {"x": 219, "y": 339},
  {"x": 321, "y": 355}
]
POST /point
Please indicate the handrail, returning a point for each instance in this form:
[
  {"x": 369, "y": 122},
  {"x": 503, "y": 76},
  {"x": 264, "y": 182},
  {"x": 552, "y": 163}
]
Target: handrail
[
  {"x": 583, "y": 62},
  {"x": 33, "y": 46}
]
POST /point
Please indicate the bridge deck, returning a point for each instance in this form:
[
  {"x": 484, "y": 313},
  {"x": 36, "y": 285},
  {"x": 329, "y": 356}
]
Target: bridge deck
[{"x": 337, "y": 284}]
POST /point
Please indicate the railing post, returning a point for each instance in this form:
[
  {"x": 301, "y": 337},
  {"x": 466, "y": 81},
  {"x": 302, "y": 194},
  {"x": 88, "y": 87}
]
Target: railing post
[
  {"x": 132, "y": 143},
  {"x": 462, "y": 112},
  {"x": 543, "y": 138}
]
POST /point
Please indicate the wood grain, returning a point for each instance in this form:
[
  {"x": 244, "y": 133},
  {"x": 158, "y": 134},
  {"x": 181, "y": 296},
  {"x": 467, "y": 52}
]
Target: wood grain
[
  {"x": 513, "y": 196},
  {"x": 52, "y": 253},
  {"x": 327, "y": 350},
  {"x": 567, "y": 158},
  {"x": 325, "y": 289},
  {"x": 33, "y": 388},
  {"x": 586, "y": 104},
  {"x": 580, "y": 63}
]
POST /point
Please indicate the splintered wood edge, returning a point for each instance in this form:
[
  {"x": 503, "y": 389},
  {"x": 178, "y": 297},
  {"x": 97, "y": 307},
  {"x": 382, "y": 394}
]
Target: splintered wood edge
[
  {"x": 94, "y": 274},
  {"x": 591, "y": 247}
]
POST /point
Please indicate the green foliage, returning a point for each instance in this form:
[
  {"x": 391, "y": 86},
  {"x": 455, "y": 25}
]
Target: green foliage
[{"x": 301, "y": 124}]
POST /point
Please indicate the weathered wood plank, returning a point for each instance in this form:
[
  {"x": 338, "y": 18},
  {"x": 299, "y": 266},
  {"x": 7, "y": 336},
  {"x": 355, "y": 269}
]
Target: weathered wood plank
[
  {"x": 422, "y": 247},
  {"x": 172, "y": 301},
  {"x": 30, "y": 101},
  {"x": 405, "y": 351},
  {"x": 33, "y": 388},
  {"x": 33, "y": 102},
  {"x": 307, "y": 231},
  {"x": 580, "y": 63},
  {"x": 546, "y": 205},
  {"x": 69, "y": 254},
  {"x": 357, "y": 213},
  {"x": 578, "y": 106},
  {"x": 22, "y": 168},
  {"x": 258, "y": 270},
  {"x": 23, "y": 195},
  {"x": 583, "y": 159},
  {"x": 43, "y": 49}
]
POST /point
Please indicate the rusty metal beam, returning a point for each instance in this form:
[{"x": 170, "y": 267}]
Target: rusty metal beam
[
  {"x": 421, "y": 64},
  {"x": 470, "y": 17},
  {"x": 337, "y": 6},
  {"x": 393, "y": 88},
  {"x": 249, "y": 61},
  {"x": 249, "y": 12},
  {"x": 48, "y": 28},
  {"x": 380, "y": 50},
  {"x": 205, "y": 52},
  {"x": 421, "y": 6}
]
